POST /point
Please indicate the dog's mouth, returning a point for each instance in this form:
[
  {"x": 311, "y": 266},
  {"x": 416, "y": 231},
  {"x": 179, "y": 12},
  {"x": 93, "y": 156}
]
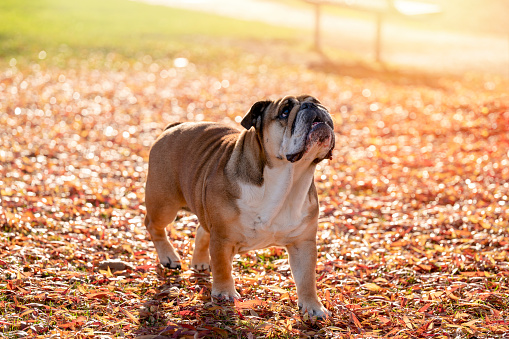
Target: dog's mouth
[{"x": 320, "y": 134}]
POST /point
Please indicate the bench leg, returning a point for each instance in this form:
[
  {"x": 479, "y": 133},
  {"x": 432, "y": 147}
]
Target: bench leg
[
  {"x": 318, "y": 43},
  {"x": 378, "y": 38}
]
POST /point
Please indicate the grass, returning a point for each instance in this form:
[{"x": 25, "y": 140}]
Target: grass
[{"x": 126, "y": 27}]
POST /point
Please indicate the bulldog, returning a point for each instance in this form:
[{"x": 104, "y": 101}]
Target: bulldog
[{"x": 250, "y": 190}]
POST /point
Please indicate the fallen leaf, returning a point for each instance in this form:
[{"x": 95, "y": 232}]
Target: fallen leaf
[
  {"x": 407, "y": 322},
  {"x": 424, "y": 308},
  {"x": 114, "y": 265},
  {"x": 372, "y": 287},
  {"x": 248, "y": 303}
]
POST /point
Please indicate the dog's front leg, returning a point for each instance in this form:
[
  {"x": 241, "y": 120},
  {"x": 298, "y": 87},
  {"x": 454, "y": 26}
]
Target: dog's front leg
[
  {"x": 221, "y": 257},
  {"x": 303, "y": 264}
]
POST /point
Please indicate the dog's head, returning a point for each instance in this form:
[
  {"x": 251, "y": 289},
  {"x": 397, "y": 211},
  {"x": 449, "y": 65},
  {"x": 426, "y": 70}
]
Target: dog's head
[{"x": 293, "y": 128}]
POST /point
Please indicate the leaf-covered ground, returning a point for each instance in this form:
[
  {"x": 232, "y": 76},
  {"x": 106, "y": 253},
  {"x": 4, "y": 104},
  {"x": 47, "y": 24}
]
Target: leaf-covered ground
[{"x": 414, "y": 233}]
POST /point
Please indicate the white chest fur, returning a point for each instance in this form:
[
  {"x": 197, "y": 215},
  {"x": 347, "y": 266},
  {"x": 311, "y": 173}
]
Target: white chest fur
[{"x": 272, "y": 212}]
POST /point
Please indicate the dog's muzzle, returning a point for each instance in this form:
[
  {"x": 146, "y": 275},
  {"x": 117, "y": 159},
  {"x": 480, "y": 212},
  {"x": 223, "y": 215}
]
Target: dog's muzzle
[{"x": 315, "y": 125}]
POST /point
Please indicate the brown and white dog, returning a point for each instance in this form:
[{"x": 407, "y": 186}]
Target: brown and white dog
[{"x": 250, "y": 190}]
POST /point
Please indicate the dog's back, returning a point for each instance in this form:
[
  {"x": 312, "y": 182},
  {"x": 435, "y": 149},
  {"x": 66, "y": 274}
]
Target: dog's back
[
  {"x": 176, "y": 162},
  {"x": 173, "y": 124}
]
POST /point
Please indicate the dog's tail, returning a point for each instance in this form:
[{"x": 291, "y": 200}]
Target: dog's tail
[{"x": 173, "y": 124}]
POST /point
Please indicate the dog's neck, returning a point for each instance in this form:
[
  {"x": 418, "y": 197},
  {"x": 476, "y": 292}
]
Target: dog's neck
[
  {"x": 286, "y": 184},
  {"x": 268, "y": 186},
  {"x": 248, "y": 159}
]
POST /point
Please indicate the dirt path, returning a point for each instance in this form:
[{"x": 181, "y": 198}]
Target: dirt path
[{"x": 429, "y": 50}]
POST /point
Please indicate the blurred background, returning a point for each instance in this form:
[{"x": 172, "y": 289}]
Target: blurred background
[
  {"x": 440, "y": 35},
  {"x": 453, "y": 36}
]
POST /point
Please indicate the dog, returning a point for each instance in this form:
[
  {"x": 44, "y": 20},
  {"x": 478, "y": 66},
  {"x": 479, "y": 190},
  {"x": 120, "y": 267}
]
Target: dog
[{"x": 250, "y": 189}]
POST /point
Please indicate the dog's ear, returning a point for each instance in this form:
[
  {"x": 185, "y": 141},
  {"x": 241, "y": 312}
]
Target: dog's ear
[{"x": 255, "y": 115}]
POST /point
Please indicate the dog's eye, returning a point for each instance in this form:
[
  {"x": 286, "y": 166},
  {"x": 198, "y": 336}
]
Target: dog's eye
[{"x": 284, "y": 112}]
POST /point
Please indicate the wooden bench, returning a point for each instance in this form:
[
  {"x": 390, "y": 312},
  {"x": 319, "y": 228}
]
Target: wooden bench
[{"x": 381, "y": 8}]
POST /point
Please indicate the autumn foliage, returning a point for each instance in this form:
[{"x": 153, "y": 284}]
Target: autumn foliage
[{"x": 414, "y": 233}]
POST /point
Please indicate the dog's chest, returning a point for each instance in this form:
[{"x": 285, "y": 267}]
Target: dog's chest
[{"x": 274, "y": 212}]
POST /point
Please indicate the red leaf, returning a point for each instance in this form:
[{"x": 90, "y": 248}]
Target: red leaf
[
  {"x": 355, "y": 320},
  {"x": 186, "y": 313},
  {"x": 71, "y": 325},
  {"x": 424, "y": 308},
  {"x": 384, "y": 320},
  {"x": 189, "y": 327},
  {"x": 327, "y": 296},
  {"x": 81, "y": 320}
]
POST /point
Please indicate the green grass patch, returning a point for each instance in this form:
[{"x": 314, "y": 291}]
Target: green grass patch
[{"x": 120, "y": 26}]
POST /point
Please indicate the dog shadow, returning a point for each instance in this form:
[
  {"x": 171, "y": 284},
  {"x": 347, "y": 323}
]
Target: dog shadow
[
  {"x": 181, "y": 307},
  {"x": 174, "y": 309}
]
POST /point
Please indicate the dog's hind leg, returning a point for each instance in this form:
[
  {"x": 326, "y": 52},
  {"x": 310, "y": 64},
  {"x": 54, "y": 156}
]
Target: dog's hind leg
[
  {"x": 156, "y": 220},
  {"x": 201, "y": 257}
]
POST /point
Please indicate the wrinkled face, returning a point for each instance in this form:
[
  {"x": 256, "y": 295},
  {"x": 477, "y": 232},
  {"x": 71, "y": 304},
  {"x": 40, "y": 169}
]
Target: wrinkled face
[{"x": 294, "y": 129}]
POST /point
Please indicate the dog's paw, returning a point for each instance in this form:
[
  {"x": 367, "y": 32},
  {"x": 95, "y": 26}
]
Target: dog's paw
[
  {"x": 201, "y": 267},
  {"x": 315, "y": 309},
  {"x": 171, "y": 264},
  {"x": 225, "y": 295}
]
